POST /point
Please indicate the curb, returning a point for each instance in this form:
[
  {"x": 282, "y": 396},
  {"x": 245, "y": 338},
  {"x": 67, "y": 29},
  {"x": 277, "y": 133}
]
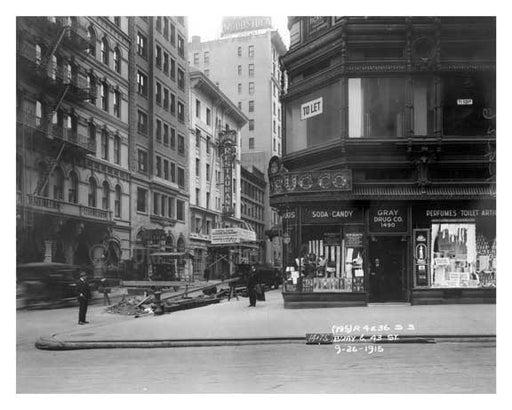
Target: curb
[{"x": 51, "y": 343}]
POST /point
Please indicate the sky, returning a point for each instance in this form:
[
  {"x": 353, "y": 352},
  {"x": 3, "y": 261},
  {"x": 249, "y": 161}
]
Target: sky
[{"x": 208, "y": 26}]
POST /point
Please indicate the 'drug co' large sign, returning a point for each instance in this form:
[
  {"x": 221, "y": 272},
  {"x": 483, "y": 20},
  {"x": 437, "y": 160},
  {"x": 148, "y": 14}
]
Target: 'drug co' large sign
[{"x": 388, "y": 219}]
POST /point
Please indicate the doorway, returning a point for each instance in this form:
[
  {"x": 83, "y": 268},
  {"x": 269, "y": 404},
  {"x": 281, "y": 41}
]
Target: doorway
[{"x": 387, "y": 269}]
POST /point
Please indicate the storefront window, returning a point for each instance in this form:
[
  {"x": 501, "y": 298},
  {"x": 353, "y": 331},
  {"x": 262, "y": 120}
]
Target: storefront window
[{"x": 314, "y": 119}]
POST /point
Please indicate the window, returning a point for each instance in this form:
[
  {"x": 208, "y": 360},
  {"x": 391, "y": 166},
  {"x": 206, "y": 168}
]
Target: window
[
  {"x": 117, "y": 104},
  {"x": 104, "y": 96},
  {"x": 142, "y": 200},
  {"x": 117, "y": 150},
  {"x": 251, "y": 70},
  {"x": 163, "y": 202},
  {"x": 117, "y": 202},
  {"x": 251, "y": 106},
  {"x": 278, "y": 148},
  {"x": 156, "y": 203},
  {"x": 104, "y": 51},
  {"x": 158, "y": 131},
  {"x": 198, "y": 110},
  {"x": 173, "y": 34},
  {"x": 173, "y": 172},
  {"x": 173, "y": 69},
  {"x": 208, "y": 144},
  {"x": 166, "y": 99},
  {"x": 181, "y": 177},
  {"x": 181, "y": 47},
  {"x": 274, "y": 126},
  {"x": 274, "y": 90},
  {"x": 198, "y": 203},
  {"x": 142, "y": 84},
  {"x": 92, "y": 133},
  {"x": 173, "y": 139},
  {"x": 181, "y": 79},
  {"x": 117, "y": 60},
  {"x": 181, "y": 112},
  {"x": 239, "y": 70},
  {"x": 274, "y": 143},
  {"x": 207, "y": 172},
  {"x": 206, "y": 57},
  {"x": 104, "y": 145},
  {"x": 166, "y": 28},
  {"x": 180, "y": 210},
  {"x": 239, "y": 88},
  {"x": 274, "y": 108},
  {"x": 173, "y": 104},
  {"x": 166, "y": 63},
  {"x": 92, "y": 41},
  {"x": 159, "y": 24},
  {"x": 250, "y": 51},
  {"x": 158, "y": 166},
  {"x": 181, "y": 144},
  {"x": 91, "y": 84},
  {"x": 198, "y": 168},
  {"x": 251, "y": 125},
  {"x": 105, "y": 200},
  {"x": 251, "y": 88},
  {"x": 279, "y": 131},
  {"x": 239, "y": 51},
  {"x": 158, "y": 57},
  {"x": 91, "y": 199},
  {"x": 376, "y": 107},
  {"x": 58, "y": 184},
  {"x": 196, "y": 58},
  {"x": 239, "y": 105},
  {"x": 207, "y": 73},
  {"x": 73, "y": 188},
  {"x": 208, "y": 117},
  {"x": 142, "y": 160},
  {"x": 198, "y": 138},
  {"x": 207, "y": 205},
  {"x": 142, "y": 122},
  {"x": 166, "y": 169},
  {"x": 166, "y": 135},
  {"x": 251, "y": 143},
  {"x": 171, "y": 207},
  {"x": 142, "y": 44}
]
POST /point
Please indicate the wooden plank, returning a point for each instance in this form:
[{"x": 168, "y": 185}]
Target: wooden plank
[
  {"x": 193, "y": 290},
  {"x": 150, "y": 283}
]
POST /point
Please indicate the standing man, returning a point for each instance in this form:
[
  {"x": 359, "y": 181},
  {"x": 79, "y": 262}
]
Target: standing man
[
  {"x": 84, "y": 294},
  {"x": 251, "y": 287},
  {"x": 207, "y": 274}
]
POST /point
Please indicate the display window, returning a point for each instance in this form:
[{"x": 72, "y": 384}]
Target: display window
[
  {"x": 331, "y": 260},
  {"x": 463, "y": 254}
]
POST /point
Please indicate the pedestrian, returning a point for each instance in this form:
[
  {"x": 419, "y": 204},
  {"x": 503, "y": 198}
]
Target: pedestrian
[
  {"x": 232, "y": 287},
  {"x": 207, "y": 274},
  {"x": 106, "y": 290},
  {"x": 251, "y": 287},
  {"x": 376, "y": 280},
  {"x": 84, "y": 294}
]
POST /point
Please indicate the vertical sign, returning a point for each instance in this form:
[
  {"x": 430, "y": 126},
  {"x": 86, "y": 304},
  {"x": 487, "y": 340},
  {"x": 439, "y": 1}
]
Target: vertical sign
[
  {"x": 228, "y": 154},
  {"x": 421, "y": 256}
]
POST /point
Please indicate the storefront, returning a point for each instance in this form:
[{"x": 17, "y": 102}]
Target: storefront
[{"x": 353, "y": 253}]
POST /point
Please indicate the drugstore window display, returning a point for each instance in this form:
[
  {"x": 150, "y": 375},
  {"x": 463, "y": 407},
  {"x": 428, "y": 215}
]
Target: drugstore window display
[
  {"x": 463, "y": 255},
  {"x": 328, "y": 263}
]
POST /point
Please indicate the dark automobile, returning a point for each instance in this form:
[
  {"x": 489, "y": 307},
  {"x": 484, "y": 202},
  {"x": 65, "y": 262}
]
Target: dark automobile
[
  {"x": 267, "y": 275},
  {"x": 46, "y": 284}
]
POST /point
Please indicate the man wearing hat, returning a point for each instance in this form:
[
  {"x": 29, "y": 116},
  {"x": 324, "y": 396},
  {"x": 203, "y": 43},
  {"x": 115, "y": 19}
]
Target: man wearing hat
[{"x": 84, "y": 294}]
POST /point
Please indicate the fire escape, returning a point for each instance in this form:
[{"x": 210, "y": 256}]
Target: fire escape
[{"x": 42, "y": 43}]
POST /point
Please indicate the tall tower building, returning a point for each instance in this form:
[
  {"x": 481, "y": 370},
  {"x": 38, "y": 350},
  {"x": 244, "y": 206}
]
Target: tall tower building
[
  {"x": 158, "y": 144},
  {"x": 244, "y": 63}
]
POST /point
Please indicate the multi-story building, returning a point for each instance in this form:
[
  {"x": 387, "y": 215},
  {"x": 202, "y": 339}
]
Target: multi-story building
[
  {"x": 252, "y": 200},
  {"x": 72, "y": 140},
  {"x": 159, "y": 144},
  {"x": 215, "y": 182},
  {"x": 387, "y": 182},
  {"x": 244, "y": 62}
]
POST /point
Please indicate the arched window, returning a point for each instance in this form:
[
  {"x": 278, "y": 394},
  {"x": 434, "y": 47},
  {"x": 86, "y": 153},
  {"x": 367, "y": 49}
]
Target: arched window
[
  {"x": 105, "y": 50},
  {"x": 104, "y": 144},
  {"x": 105, "y": 199},
  {"x": 117, "y": 202},
  {"x": 117, "y": 150},
  {"x": 117, "y": 60},
  {"x": 58, "y": 184},
  {"x": 181, "y": 244},
  {"x": 73, "y": 188},
  {"x": 92, "y": 41},
  {"x": 104, "y": 96},
  {"x": 92, "y": 192}
]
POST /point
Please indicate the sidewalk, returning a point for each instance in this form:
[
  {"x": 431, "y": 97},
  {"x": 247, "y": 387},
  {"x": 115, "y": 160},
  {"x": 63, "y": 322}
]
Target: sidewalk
[{"x": 235, "y": 323}]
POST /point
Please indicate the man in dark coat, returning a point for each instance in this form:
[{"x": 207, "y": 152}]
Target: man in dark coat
[
  {"x": 251, "y": 287},
  {"x": 84, "y": 294}
]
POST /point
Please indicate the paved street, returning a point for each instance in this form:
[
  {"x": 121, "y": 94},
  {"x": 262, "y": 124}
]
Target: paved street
[{"x": 293, "y": 368}]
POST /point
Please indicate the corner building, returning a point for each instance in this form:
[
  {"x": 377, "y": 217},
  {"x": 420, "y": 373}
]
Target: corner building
[{"x": 389, "y": 155}]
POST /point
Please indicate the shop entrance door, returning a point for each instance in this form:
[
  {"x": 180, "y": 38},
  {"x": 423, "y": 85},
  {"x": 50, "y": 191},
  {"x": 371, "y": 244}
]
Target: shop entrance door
[{"x": 387, "y": 269}]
